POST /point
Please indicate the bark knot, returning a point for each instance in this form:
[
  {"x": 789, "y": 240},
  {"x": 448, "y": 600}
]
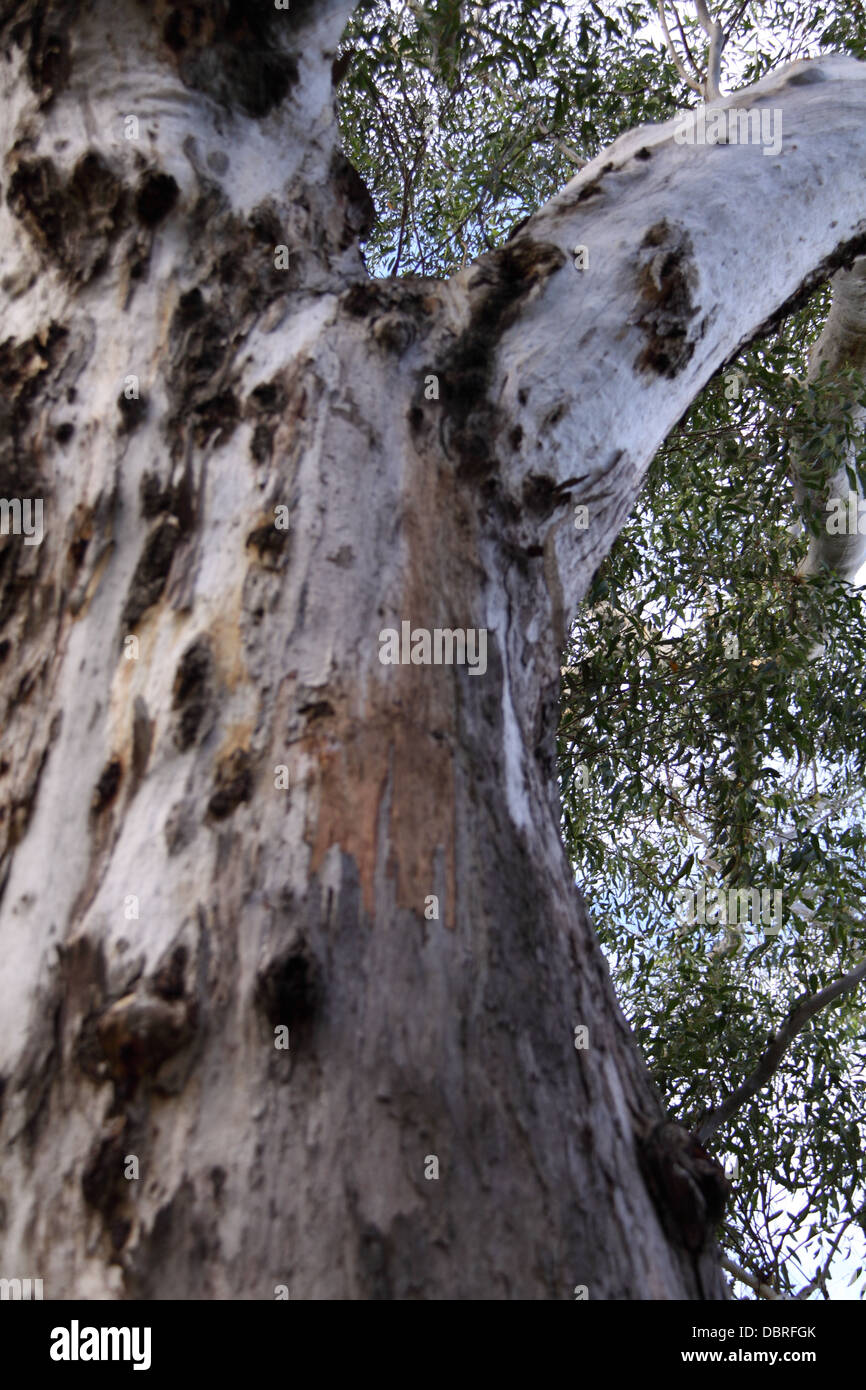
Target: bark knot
[{"x": 688, "y": 1187}]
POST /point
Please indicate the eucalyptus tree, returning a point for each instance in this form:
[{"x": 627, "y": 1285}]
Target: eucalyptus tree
[{"x": 299, "y": 996}]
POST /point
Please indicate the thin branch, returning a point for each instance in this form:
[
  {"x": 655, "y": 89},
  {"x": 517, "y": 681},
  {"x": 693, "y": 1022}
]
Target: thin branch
[
  {"x": 821, "y": 1276},
  {"x": 689, "y": 54},
  {"x": 762, "y": 1290},
  {"x": 677, "y": 61},
  {"x": 804, "y": 1009},
  {"x": 716, "y": 35},
  {"x": 736, "y": 19},
  {"x": 569, "y": 153}
]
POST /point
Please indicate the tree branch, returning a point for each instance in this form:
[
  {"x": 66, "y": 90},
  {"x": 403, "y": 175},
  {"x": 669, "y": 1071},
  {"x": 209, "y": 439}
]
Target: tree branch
[
  {"x": 804, "y": 1009},
  {"x": 649, "y": 206},
  {"x": 821, "y": 1276},
  {"x": 677, "y": 61},
  {"x": 761, "y": 1289},
  {"x": 716, "y": 36}
]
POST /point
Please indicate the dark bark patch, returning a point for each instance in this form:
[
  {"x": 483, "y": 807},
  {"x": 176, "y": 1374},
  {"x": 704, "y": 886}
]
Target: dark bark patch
[
  {"x": 262, "y": 443},
  {"x": 269, "y": 397},
  {"x": 288, "y": 990},
  {"x": 643, "y": 153},
  {"x": 151, "y": 572},
  {"x": 807, "y": 78},
  {"x": 155, "y": 197},
  {"x": 42, "y": 34},
  {"x": 133, "y": 411},
  {"x": 364, "y": 299},
  {"x": 542, "y": 494},
  {"x": 267, "y": 405},
  {"x": 316, "y": 709},
  {"x": 233, "y": 784},
  {"x": 75, "y": 221},
  {"x": 142, "y": 739},
  {"x": 102, "y": 1181},
  {"x": 394, "y": 332},
  {"x": 589, "y": 190},
  {"x": 373, "y": 1264},
  {"x": 49, "y": 64},
  {"x": 206, "y": 331},
  {"x": 270, "y": 544},
  {"x": 553, "y": 416},
  {"x": 359, "y": 210},
  {"x": 192, "y": 695},
  {"x": 141, "y": 1031},
  {"x": 107, "y": 787},
  {"x": 231, "y": 51},
  {"x": 502, "y": 283},
  {"x": 412, "y": 295},
  {"x": 216, "y": 418},
  {"x": 168, "y": 981},
  {"x": 688, "y": 1187},
  {"x": 667, "y": 278},
  {"x": 155, "y": 499},
  {"x": 24, "y": 369},
  {"x": 41, "y": 1059},
  {"x": 218, "y": 1178}
]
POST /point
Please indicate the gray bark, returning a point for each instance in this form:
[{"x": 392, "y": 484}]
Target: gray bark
[{"x": 166, "y": 904}]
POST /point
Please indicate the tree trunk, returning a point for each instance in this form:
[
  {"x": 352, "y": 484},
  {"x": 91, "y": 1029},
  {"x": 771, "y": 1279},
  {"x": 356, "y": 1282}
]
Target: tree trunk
[{"x": 190, "y": 345}]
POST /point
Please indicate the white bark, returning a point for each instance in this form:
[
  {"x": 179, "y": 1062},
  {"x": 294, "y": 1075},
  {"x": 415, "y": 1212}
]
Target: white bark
[
  {"x": 841, "y": 345},
  {"x": 152, "y": 780}
]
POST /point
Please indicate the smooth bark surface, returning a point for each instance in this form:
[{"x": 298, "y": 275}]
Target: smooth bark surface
[{"x": 167, "y": 903}]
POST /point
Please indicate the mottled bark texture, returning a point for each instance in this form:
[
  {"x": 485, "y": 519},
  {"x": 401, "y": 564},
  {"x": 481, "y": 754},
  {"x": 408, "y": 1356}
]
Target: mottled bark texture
[{"x": 167, "y": 650}]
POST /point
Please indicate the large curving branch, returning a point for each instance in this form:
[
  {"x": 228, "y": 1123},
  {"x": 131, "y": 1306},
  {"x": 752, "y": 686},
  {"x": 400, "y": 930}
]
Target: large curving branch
[{"x": 693, "y": 251}]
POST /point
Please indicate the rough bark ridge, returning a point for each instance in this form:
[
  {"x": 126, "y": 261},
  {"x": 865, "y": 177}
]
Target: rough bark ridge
[{"x": 166, "y": 903}]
